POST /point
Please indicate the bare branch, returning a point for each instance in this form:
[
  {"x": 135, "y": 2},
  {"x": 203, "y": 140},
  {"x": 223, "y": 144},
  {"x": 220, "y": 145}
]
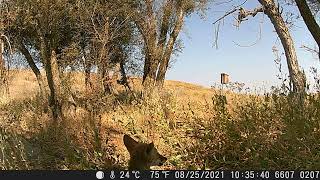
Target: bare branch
[
  {"x": 227, "y": 14},
  {"x": 243, "y": 14},
  {"x": 313, "y": 51},
  {"x": 236, "y": 8}
]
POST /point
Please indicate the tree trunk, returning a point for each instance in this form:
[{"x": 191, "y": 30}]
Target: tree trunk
[
  {"x": 2, "y": 66},
  {"x": 87, "y": 72},
  {"x": 158, "y": 41},
  {"x": 4, "y": 86},
  {"x": 55, "y": 82},
  {"x": 124, "y": 78},
  {"x": 163, "y": 68},
  {"x": 296, "y": 76},
  {"x": 309, "y": 21},
  {"x": 103, "y": 61},
  {"x": 151, "y": 60},
  {"x": 102, "y": 71},
  {"x": 56, "y": 73},
  {"x": 150, "y": 71},
  {"x": 101, "y": 74},
  {"x": 148, "y": 30},
  {"x": 3, "y": 77},
  {"x": 35, "y": 69},
  {"x": 52, "y": 74},
  {"x": 164, "y": 63}
]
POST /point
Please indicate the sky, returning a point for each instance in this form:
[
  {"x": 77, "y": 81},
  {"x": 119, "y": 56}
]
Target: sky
[{"x": 244, "y": 53}]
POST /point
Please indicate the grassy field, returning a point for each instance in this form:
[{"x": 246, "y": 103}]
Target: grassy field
[{"x": 193, "y": 126}]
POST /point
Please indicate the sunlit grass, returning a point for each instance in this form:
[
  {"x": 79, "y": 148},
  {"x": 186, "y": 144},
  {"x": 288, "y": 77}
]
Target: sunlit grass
[{"x": 195, "y": 127}]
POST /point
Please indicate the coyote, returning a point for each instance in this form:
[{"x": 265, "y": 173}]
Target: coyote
[{"x": 142, "y": 155}]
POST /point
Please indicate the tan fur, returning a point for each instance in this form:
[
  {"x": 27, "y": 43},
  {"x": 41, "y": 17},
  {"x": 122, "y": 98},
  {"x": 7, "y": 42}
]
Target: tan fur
[{"x": 142, "y": 155}]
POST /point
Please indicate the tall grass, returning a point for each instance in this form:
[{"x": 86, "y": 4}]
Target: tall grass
[
  {"x": 271, "y": 132},
  {"x": 226, "y": 131}
]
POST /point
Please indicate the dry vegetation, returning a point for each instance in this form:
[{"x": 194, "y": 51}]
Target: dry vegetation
[{"x": 195, "y": 127}]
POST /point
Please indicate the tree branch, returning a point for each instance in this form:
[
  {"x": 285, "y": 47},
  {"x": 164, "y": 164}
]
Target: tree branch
[{"x": 309, "y": 20}]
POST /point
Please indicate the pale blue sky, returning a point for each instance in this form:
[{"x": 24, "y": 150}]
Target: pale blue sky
[{"x": 201, "y": 63}]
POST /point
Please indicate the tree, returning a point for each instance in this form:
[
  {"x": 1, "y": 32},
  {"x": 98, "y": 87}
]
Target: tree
[
  {"x": 159, "y": 23},
  {"x": 270, "y": 8},
  {"x": 47, "y": 28},
  {"x": 2, "y": 65},
  {"x": 104, "y": 31},
  {"x": 296, "y": 76},
  {"x": 309, "y": 20},
  {"x": 5, "y": 20},
  {"x": 31, "y": 62}
]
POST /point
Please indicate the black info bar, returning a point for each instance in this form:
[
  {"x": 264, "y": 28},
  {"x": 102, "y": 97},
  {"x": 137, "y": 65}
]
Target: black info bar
[{"x": 156, "y": 175}]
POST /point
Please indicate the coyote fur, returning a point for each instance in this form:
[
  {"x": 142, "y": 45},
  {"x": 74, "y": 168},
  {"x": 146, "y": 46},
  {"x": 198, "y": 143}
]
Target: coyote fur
[{"x": 142, "y": 155}]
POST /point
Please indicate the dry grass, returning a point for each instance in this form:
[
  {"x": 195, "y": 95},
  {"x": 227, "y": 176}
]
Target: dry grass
[{"x": 195, "y": 127}]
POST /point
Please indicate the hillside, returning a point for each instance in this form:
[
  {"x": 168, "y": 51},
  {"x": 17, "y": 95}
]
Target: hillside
[
  {"x": 23, "y": 83},
  {"x": 193, "y": 126},
  {"x": 23, "y": 88}
]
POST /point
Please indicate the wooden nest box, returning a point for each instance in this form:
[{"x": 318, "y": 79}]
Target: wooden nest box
[{"x": 224, "y": 78}]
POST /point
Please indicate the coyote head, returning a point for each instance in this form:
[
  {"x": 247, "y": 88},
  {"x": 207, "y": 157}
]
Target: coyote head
[{"x": 142, "y": 155}]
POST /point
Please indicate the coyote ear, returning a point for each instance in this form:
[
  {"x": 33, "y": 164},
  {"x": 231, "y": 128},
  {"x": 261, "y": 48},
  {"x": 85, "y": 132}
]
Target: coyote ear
[
  {"x": 129, "y": 143},
  {"x": 150, "y": 147}
]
